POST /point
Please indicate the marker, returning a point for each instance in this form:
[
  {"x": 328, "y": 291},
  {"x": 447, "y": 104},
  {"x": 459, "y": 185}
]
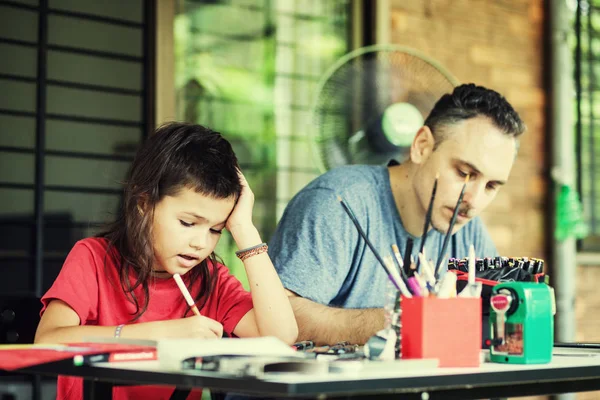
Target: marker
[
  {"x": 90, "y": 359},
  {"x": 414, "y": 286}
]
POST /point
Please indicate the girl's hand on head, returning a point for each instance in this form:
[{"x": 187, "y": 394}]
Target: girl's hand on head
[{"x": 241, "y": 216}]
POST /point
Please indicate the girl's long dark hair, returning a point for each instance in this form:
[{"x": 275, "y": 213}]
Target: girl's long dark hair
[{"x": 176, "y": 156}]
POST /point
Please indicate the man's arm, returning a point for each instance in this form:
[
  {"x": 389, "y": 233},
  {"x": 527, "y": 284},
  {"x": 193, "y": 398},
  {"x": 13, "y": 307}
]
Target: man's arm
[{"x": 328, "y": 325}]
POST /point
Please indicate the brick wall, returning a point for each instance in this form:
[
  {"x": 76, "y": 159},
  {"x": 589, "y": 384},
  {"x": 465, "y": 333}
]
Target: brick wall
[{"x": 497, "y": 44}]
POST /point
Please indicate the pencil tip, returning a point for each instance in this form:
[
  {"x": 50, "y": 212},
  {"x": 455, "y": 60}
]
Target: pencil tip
[
  {"x": 467, "y": 179},
  {"x": 437, "y": 175},
  {"x": 339, "y": 198}
]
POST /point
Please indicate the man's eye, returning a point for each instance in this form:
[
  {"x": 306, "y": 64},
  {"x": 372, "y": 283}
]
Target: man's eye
[
  {"x": 217, "y": 231},
  {"x": 187, "y": 225},
  {"x": 491, "y": 186},
  {"x": 461, "y": 173}
]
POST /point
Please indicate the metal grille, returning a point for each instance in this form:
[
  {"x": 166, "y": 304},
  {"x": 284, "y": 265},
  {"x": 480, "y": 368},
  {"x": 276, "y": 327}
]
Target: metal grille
[
  {"x": 76, "y": 83},
  {"x": 587, "y": 52}
]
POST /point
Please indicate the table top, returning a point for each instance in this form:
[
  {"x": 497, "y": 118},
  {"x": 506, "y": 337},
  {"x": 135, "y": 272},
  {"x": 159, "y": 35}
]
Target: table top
[{"x": 570, "y": 370}]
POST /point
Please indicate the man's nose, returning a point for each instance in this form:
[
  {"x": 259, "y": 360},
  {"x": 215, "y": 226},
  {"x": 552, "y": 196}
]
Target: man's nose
[{"x": 473, "y": 193}]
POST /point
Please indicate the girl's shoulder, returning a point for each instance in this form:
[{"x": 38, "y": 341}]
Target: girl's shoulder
[
  {"x": 96, "y": 248},
  {"x": 94, "y": 245}
]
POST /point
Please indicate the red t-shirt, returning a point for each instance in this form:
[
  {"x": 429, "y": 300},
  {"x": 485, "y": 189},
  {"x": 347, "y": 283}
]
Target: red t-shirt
[{"x": 94, "y": 291}]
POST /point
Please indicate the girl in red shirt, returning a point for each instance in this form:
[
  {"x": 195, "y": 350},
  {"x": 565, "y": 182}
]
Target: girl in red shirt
[{"x": 183, "y": 188}]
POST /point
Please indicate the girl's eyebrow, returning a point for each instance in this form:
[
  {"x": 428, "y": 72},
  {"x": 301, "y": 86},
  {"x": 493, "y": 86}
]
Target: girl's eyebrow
[{"x": 201, "y": 218}]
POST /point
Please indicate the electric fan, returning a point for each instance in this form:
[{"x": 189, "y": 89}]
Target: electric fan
[{"x": 371, "y": 103}]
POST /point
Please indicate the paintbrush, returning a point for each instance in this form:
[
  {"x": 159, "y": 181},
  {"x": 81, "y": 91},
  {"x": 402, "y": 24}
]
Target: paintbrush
[
  {"x": 451, "y": 227},
  {"x": 428, "y": 218},
  {"x": 368, "y": 242}
]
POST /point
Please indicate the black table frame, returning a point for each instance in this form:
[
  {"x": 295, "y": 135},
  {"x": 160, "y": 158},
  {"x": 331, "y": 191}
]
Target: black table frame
[{"x": 99, "y": 381}]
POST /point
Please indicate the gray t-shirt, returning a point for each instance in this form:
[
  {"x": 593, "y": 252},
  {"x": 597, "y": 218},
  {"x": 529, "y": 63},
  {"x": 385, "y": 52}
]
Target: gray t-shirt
[{"x": 319, "y": 254}]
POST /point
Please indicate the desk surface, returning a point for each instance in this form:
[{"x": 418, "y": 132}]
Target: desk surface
[{"x": 569, "y": 371}]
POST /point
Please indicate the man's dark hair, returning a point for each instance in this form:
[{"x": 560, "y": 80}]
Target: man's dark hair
[{"x": 469, "y": 101}]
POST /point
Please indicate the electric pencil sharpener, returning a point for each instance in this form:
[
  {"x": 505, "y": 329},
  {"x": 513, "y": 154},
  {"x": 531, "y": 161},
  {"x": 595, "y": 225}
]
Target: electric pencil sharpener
[{"x": 522, "y": 323}]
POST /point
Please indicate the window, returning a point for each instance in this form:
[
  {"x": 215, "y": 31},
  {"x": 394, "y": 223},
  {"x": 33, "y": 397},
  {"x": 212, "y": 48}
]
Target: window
[
  {"x": 74, "y": 108},
  {"x": 249, "y": 69},
  {"x": 587, "y": 80}
]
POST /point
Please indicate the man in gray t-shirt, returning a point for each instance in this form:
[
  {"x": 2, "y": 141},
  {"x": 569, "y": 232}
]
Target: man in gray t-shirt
[{"x": 335, "y": 284}]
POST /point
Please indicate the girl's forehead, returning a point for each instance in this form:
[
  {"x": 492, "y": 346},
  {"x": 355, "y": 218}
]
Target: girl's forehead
[{"x": 190, "y": 201}]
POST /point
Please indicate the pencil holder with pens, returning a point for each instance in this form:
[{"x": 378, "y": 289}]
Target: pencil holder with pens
[{"x": 448, "y": 329}]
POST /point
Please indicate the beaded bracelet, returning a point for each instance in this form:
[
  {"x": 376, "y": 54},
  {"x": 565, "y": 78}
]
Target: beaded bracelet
[
  {"x": 118, "y": 330},
  {"x": 251, "y": 251}
]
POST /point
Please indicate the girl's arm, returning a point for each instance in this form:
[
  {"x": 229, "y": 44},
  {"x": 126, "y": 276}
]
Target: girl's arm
[
  {"x": 61, "y": 324},
  {"x": 272, "y": 314}
]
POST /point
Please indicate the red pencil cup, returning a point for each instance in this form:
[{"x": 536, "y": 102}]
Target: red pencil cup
[{"x": 446, "y": 329}]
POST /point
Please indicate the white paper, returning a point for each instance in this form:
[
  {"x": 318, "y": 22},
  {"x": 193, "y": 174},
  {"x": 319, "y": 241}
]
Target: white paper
[{"x": 171, "y": 352}]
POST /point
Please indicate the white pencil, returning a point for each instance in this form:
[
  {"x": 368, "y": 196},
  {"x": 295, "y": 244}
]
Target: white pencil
[
  {"x": 471, "y": 265},
  {"x": 390, "y": 264},
  {"x": 186, "y": 294},
  {"x": 473, "y": 288}
]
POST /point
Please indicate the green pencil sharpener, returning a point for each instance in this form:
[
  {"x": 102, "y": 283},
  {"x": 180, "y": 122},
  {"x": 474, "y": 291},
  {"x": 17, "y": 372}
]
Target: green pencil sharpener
[{"x": 522, "y": 323}]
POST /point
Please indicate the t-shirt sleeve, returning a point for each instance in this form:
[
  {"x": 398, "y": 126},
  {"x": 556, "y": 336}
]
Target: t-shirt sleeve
[
  {"x": 233, "y": 300},
  {"x": 77, "y": 284},
  {"x": 313, "y": 246}
]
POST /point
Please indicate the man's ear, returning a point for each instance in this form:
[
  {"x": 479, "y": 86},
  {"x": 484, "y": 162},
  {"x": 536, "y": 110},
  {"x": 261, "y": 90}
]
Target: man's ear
[{"x": 422, "y": 145}]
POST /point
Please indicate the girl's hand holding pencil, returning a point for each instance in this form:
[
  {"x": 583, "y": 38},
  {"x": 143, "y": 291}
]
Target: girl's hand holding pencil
[
  {"x": 203, "y": 328},
  {"x": 197, "y": 327}
]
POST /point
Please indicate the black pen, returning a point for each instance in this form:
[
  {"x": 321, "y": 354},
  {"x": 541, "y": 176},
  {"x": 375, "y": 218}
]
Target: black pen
[{"x": 304, "y": 345}]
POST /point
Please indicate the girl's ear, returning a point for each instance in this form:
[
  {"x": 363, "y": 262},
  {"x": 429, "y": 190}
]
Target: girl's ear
[{"x": 422, "y": 145}]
